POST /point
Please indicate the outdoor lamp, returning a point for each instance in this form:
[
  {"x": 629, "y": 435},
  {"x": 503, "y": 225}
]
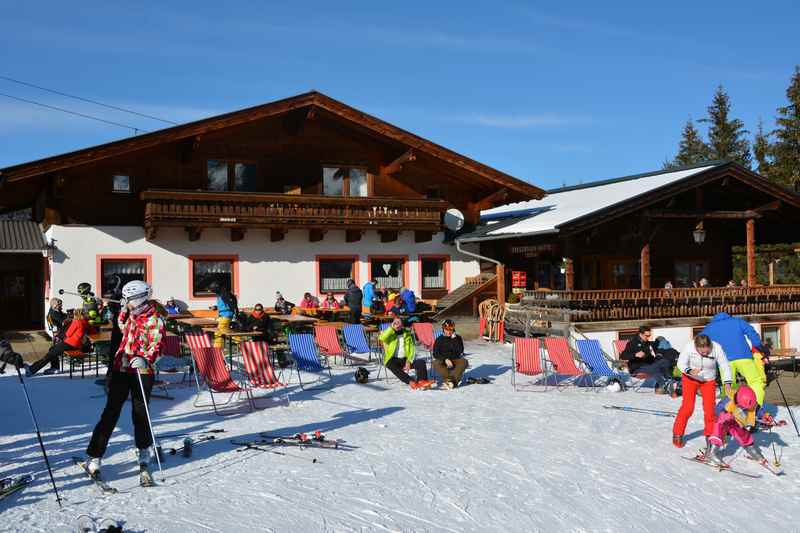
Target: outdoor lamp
[{"x": 699, "y": 234}]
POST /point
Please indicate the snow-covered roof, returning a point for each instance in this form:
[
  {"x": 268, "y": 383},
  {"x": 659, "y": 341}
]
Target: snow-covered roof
[{"x": 564, "y": 205}]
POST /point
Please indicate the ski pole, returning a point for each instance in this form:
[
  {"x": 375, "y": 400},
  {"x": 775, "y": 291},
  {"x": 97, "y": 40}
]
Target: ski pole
[
  {"x": 171, "y": 435},
  {"x": 39, "y": 436},
  {"x": 791, "y": 415},
  {"x": 150, "y": 424}
]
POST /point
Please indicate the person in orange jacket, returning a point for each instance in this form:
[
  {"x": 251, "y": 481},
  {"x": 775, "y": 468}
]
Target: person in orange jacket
[{"x": 73, "y": 340}]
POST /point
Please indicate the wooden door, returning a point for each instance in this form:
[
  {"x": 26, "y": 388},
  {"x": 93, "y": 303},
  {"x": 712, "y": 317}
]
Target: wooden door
[{"x": 15, "y": 311}]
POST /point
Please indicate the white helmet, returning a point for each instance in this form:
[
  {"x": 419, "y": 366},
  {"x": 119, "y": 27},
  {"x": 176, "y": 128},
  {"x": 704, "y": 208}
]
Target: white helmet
[{"x": 136, "y": 292}]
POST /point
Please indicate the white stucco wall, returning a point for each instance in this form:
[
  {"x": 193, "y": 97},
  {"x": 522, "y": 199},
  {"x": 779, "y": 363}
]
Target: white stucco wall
[{"x": 264, "y": 266}]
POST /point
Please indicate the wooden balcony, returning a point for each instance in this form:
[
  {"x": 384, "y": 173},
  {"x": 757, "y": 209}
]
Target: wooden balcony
[
  {"x": 280, "y": 212},
  {"x": 634, "y": 304}
]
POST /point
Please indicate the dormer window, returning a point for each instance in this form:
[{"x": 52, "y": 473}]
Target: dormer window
[
  {"x": 121, "y": 183},
  {"x": 344, "y": 181}
]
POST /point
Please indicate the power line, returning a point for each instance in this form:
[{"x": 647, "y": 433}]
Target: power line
[
  {"x": 95, "y": 102},
  {"x": 135, "y": 130}
]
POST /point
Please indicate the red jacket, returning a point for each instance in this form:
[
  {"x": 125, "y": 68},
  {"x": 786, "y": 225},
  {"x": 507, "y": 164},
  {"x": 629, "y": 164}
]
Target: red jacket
[{"x": 75, "y": 332}]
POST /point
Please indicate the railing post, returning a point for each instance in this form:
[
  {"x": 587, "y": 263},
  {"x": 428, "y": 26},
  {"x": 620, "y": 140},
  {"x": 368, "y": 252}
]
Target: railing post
[
  {"x": 752, "y": 280},
  {"x": 569, "y": 274}
]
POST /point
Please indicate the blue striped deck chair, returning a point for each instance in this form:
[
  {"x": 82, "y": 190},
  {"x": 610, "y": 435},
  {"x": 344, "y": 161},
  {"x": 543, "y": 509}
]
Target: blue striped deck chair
[
  {"x": 592, "y": 356},
  {"x": 355, "y": 340},
  {"x": 304, "y": 352}
]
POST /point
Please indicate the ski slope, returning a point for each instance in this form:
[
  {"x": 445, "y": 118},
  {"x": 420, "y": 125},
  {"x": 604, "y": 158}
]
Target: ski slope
[{"x": 479, "y": 458}]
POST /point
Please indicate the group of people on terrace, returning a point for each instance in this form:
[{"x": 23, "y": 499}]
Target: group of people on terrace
[{"x": 703, "y": 283}]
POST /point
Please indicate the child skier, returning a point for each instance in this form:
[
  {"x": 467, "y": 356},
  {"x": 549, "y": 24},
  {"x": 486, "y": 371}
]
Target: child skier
[
  {"x": 142, "y": 328},
  {"x": 735, "y": 417}
]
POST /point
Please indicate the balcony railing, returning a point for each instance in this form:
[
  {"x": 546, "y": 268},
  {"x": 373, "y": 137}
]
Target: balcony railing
[
  {"x": 633, "y": 304},
  {"x": 287, "y": 211}
]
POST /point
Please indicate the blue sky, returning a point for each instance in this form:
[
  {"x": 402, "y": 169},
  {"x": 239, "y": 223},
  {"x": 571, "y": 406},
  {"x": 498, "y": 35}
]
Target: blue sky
[{"x": 553, "y": 93}]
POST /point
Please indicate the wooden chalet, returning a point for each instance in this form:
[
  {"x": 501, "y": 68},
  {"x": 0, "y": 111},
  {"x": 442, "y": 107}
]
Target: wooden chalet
[{"x": 295, "y": 195}]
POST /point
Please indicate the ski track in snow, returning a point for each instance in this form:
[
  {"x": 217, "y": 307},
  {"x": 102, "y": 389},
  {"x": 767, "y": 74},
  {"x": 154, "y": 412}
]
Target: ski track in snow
[{"x": 479, "y": 458}]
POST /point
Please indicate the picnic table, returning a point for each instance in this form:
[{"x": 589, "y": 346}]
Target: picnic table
[
  {"x": 295, "y": 320},
  {"x": 201, "y": 322}
]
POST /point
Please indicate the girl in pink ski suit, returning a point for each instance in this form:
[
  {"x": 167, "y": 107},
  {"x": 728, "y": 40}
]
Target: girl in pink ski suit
[{"x": 735, "y": 417}]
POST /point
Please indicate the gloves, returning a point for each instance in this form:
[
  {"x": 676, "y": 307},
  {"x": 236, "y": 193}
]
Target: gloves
[{"x": 139, "y": 363}]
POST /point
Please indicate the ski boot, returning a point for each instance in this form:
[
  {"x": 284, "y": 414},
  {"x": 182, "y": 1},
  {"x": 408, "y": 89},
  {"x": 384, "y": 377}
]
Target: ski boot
[
  {"x": 754, "y": 454},
  {"x": 93, "y": 467},
  {"x": 711, "y": 456},
  {"x": 145, "y": 477}
]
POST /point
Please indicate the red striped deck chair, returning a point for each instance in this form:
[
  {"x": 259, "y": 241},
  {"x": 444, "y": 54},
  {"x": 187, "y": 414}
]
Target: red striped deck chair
[
  {"x": 327, "y": 339},
  {"x": 559, "y": 353},
  {"x": 527, "y": 359},
  {"x": 211, "y": 367},
  {"x": 260, "y": 372},
  {"x": 196, "y": 341},
  {"x": 423, "y": 331}
]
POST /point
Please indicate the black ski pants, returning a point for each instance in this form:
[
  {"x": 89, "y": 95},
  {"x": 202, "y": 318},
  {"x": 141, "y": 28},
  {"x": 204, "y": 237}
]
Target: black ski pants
[
  {"x": 355, "y": 315},
  {"x": 122, "y": 385},
  {"x": 53, "y": 357},
  {"x": 396, "y": 365}
]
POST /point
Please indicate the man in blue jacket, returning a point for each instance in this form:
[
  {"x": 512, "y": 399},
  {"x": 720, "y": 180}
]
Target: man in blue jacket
[
  {"x": 367, "y": 295},
  {"x": 732, "y": 334}
]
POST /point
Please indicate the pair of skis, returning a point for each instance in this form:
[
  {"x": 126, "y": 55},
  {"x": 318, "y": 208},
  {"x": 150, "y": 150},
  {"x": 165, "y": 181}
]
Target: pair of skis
[
  {"x": 145, "y": 477},
  {"x": 9, "y": 486},
  {"x": 316, "y": 439},
  {"x": 726, "y": 467}
]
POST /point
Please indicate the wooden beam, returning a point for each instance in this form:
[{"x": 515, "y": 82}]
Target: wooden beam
[
  {"x": 423, "y": 236},
  {"x": 487, "y": 202},
  {"x": 237, "y": 234},
  {"x": 501, "y": 284},
  {"x": 194, "y": 233},
  {"x": 569, "y": 274},
  {"x": 752, "y": 280},
  {"x": 277, "y": 234},
  {"x": 316, "y": 235},
  {"x": 353, "y": 235},
  {"x": 644, "y": 261},
  {"x": 388, "y": 236},
  {"x": 701, "y": 215},
  {"x": 397, "y": 165},
  {"x": 772, "y": 206}
]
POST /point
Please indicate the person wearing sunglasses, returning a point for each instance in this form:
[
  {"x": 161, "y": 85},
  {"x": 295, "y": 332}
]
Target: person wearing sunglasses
[{"x": 641, "y": 357}]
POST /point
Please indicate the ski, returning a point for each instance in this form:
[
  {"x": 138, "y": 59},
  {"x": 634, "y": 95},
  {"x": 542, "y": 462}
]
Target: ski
[
  {"x": 189, "y": 434},
  {"x": 628, "y": 409},
  {"x": 258, "y": 445},
  {"x": 104, "y": 487},
  {"x": 303, "y": 440},
  {"x": 11, "y": 485},
  {"x": 765, "y": 464},
  {"x": 726, "y": 468}
]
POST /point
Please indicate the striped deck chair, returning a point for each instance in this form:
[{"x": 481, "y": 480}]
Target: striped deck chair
[
  {"x": 355, "y": 340},
  {"x": 560, "y": 355},
  {"x": 196, "y": 341},
  {"x": 380, "y": 352},
  {"x": 304, "y": 352},
  {"x": 527, "y": 359},
  {"x": 328, "y": 341},
  {"x": 259, "y": 369},
  {"x": 423, "y": 331},
  {"x": 211, "y": 367},
  {"x": 592, "y": 355}
]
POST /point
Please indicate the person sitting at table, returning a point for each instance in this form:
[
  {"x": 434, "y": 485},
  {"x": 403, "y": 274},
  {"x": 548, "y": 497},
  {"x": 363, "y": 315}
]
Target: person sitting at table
[
  {"x": 283, "y": 306},
  {"x": 172, "y": 307},
  {"x": 309, "y": 301},
  {"x": 73, "y": 340},
  {"x": 330, "y": 303},
  {"x": 448, "y": 355},
  {"x": 56, "y": 317},
  {"x": 260, "y": 321},
  {"x": 392, "y": 304},
  {"x": 378, "y": 306},
  {"x": 399, "y": 350},
  {"x": 408, "y": 300}
]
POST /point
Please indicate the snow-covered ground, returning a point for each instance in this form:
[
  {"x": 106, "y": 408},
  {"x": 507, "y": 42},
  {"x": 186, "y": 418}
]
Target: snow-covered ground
[{"x": 479, "y": 458}]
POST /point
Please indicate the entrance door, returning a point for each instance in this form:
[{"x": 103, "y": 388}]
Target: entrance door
[{"x": 15, "y": 294}]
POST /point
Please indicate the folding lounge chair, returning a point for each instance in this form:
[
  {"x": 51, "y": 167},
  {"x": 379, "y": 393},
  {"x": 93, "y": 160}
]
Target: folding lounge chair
[
  {"x": 260, "y": 373},
  {"x": 560, "y": 355},
  {"x": 306, "y": 357},
  {"x": 527, "y": 359},
  {"x": 592, "y": 355},
  {"x": 211, "y": 367},
  {"x": 196, "y": 340},
  {"x": 423, "y": 331},
  {"x": 355, "y": 340},
  {"x": 327, "y": 339}
]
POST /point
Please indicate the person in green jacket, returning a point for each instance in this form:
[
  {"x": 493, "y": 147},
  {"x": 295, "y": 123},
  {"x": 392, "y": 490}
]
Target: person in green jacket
[{"x": 399, "y": 350}]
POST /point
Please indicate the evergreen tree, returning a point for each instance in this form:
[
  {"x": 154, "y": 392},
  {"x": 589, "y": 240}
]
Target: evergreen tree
[
  {"x": 726, "y": 136},
  {"x": 762, "y": 150},
  {"x": 692, "y": 148},
  {"x": 786, "y": 149}
]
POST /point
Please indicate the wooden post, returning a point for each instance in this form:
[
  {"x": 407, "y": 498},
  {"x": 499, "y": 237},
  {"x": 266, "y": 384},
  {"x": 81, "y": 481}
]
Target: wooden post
[
  {"x": 569, "y": 274},
  {"x": 752, "y": 280},
  {"x": 501, "y": 284},
  {"x": 644, "y": 260},
  {"x": 772, "y": 272}
]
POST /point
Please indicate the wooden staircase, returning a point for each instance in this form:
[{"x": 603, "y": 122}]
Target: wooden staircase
[{"x": 464, "y": 300}]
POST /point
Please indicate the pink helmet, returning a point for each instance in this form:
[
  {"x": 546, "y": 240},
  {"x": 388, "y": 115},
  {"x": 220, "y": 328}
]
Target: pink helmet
[{"x": 745, "y": 397}]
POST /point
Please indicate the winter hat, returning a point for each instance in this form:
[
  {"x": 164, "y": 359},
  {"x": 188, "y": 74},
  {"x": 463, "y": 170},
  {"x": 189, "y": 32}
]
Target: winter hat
[{"x": 745, "y": 397}]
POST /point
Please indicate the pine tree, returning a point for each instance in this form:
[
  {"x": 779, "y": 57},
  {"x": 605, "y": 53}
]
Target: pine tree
[
  {"x": 692, "y": 148},
  {"x": 762, "y": 150},
  {"x": 726, "y": 136},
  {"x": 786, "y": 149}
]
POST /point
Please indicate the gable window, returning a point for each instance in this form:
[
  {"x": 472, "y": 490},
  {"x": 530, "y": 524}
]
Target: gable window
[
  {"x": 126, "y": 268},
  {"x": 121, "y": 183},
  {"x": 344, "y": 181},
  {"x": 206, "y": 270},
  {"x": 225, "y": 175},
  {"x": 334, "y": 273},
  {"x": 389, "y": 272}
]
